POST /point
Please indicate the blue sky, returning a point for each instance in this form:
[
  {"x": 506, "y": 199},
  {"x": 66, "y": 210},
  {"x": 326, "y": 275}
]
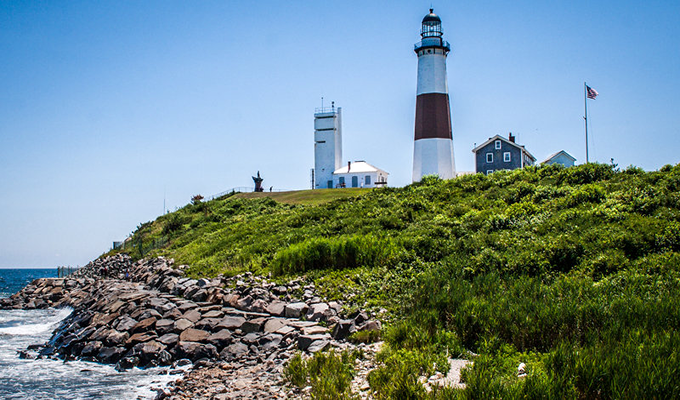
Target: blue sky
[{"x": 107, "y": 108}]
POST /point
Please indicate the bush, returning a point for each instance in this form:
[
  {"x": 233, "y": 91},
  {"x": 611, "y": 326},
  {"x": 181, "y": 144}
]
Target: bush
[
  {"x": 334, "y": 253},
  {"x": 329, "y": 374}
]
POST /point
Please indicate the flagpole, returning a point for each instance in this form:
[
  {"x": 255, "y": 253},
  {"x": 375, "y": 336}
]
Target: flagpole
[{"x": 585, "y": 116}]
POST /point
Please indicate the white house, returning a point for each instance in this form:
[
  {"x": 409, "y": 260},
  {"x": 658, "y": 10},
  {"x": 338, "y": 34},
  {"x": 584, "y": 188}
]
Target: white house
[{"x": 359, "y": 174}]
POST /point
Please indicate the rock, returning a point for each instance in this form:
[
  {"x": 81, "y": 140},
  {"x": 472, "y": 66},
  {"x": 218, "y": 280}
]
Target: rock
[
  {"x": 91, "y": 349},
  {"x": 296, "y": 310},
  {"x": 231, "y": 322},
  {"x": 343, "y": 329},
  {"x": 116, "y": 338},
  {"x": 192, "y": 315},
  {"x": 317, "y": 311},
  {"x": 314, "y": 330},
  {"x": 193, "y": 335},
  {"x": 125, "y": 323},
  {"x": 254, "y": 325},
  {"x": 127, "y": 363},
  {"x": 144, "y": 325},
  {"x": 213, "y": 314},
  {"x": 371, "y": 326},
  {"x": 181, "y": 325},
  {"x": 208, "y": 324},
  {"x": 203, "y": 282},
  {"x": 274, "y": 324},
  {"x": 235, "y": 350},
  {"x": 164, "y": 326},
  {"x": 110, "y": 355},
  {"x": 141, "y": 337},
  {"x": 318, "y": 345},
  {"x": 149, "y": 350},
  {"x": 258, "y": 305},
  {"x": 304, "y": 341},
  {"x": 169, "y": 339},
  {"x": 244, "y": 303},
  {"x": 220, "y": 339},
  {"x": 360, "y": 318},
  {"x": 276, "y": 308},
  {"x": 195, "y": 351}
]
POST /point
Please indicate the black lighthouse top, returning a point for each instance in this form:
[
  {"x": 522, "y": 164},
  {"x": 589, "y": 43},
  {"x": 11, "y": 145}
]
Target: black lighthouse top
[
  {"x": 432, "y": 25},
  {"x": 431, "y": 34}
]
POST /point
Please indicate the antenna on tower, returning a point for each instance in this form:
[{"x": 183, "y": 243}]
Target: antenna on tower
[
  {"x": 321, "y": 103},
  {"x": 333, "y": 105}
]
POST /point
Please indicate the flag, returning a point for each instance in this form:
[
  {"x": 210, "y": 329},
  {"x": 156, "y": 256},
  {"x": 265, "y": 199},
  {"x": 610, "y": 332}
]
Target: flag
[{"x": 592, "y": 93}]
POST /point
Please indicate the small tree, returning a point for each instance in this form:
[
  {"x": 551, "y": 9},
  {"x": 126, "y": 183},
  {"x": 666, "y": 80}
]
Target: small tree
[{"x": 196, "y": 199}]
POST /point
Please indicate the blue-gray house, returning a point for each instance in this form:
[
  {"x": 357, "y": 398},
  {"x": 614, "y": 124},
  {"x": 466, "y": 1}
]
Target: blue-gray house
[
  {"x": 499, "y": 153},
  {"x": 561, "y": 157}
]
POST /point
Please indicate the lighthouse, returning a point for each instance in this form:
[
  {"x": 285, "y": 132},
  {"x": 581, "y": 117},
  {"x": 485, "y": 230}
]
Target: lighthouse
[{"x": 433, "y": 147}]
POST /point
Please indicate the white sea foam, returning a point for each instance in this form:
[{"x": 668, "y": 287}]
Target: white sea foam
[{"x": 52, "y": 379}]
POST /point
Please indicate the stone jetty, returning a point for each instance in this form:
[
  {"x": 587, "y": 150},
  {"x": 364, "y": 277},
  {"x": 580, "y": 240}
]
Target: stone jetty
[{"x": 148, "y": 313}]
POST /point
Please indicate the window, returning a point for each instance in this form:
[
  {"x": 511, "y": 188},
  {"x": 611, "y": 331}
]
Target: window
[
  {"x": 489, "y": 157},
  {"x": 355, "y": 181},
  {"x": 367, "y": 181},
  {"x": 506, "y": 156},
  {"x": 489, "y": 171},
  {"x": 498, "y": 144}
]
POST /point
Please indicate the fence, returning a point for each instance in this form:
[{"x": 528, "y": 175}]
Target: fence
[{"x": 63, "y": 272}]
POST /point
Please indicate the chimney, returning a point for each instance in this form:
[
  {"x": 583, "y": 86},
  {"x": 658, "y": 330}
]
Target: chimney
[
  {"x": 349, "y": 164},
  {"x": 511, "y": 137}
]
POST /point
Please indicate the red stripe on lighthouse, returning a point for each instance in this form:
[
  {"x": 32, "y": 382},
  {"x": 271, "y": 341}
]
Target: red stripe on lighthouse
[{"x": 433, "y": 116}]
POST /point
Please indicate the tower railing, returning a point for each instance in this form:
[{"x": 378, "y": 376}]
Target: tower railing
[
  {"x": 432, "y": 43},
  {"x": 324, "y": 110}
]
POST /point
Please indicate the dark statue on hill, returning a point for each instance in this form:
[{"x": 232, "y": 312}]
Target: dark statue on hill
[{"x": 258, "y": 182}]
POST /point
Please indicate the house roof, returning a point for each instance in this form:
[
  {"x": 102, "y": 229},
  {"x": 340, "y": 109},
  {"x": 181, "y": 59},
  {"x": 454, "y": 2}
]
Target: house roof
[
  {"x": 358, "y": 167},
  {"x": 499, "y": 137},
  {"x": 554, "y": 155}
]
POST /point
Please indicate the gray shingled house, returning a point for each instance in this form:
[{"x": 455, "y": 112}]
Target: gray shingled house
[{"x": 499, "y": 153}]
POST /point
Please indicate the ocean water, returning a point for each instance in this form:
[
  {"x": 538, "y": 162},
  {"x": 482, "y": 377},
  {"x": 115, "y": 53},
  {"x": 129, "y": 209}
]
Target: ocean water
[{"x": 56, "y": 379}]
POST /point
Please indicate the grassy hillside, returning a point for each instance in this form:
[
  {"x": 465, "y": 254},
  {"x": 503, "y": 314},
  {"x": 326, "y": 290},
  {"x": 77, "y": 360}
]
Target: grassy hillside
[{"x": 574, "y": 272}]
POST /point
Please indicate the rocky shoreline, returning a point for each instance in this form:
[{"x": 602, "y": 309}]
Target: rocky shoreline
[{"x": 239, "y": 331}]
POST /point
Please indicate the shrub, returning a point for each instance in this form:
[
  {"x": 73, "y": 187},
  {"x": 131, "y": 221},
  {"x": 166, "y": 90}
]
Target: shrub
[
  {"x": 334, "y": 253},
  {"x": 329, "y": 374}
]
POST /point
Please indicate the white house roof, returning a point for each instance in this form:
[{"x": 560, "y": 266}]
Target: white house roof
[
  {"x": 499, "y": 137},
  {"x": 358, "y": 167},
  {"x": 557, "y": 154}
]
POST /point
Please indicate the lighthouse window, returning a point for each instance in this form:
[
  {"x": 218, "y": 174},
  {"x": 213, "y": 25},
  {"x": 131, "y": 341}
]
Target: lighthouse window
[
  {"x": 489, "y": 157},
  {"x": 498, "y": 144},
  {"x": 506, "y": 156},
  {"x": 368, "y": 180}
]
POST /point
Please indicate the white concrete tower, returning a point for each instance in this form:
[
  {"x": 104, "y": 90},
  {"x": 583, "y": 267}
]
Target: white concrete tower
[
  {"x": 327, "y": 145},
  {"x": 433, "y": 147}
]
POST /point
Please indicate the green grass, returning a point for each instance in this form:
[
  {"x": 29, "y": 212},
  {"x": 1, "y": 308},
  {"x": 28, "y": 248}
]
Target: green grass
[
  {"x": 575, "y": 272},
  {"x": 306, "y": 197}
]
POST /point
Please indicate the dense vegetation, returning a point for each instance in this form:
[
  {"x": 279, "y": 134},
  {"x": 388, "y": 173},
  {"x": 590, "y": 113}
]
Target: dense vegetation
[{"x": 575, "y": 272}]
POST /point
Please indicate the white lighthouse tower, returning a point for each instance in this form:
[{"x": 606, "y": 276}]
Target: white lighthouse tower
[
  {"x": 327, "y": 145},
  {"x": 433, "y": 147}
]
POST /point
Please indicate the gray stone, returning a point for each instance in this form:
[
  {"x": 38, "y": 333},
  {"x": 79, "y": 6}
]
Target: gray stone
[
  {"x": 304, "y": 341},
  {"x": 274, "y": 324},
  {"x": 116, "y": 338},
  {"x": 317, "y": 311},
  {"x": 343, "y": 329},
  {"x": 296, "y": 310},
  {"x": 213, "y": 314},
  {"x": 231, "y": 322},
  {"x": 125, "y": 323},
  {"x": 182, "y": 324},
  {"x": 91, "y": 348},
  {"x": 220, "y": 339},
  {"x": 208, "y": 324},
  {"x": 234, "y": 351},
  {"x": 276, "y": 308},
  {"x": 192, "y": 315},
  {"x": 169, "y": 339},
  {"x": 194, "y": 335},
  {"x": 164, "y": 325},
  {"x": 254, "y": 325},
  {"x": 318, "y": 345}
]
